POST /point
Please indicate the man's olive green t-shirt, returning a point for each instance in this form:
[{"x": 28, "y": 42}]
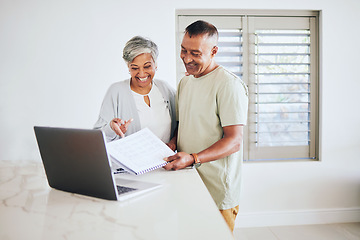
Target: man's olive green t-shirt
[{"x": 204, "y": 106}]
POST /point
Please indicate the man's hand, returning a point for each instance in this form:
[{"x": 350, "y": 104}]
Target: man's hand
[
  {"x": 120, "y": 126},
  {"x": 179, "y": 161}
]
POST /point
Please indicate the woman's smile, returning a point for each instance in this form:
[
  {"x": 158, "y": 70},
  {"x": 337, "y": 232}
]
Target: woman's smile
[{"x": 143, "y": 79}]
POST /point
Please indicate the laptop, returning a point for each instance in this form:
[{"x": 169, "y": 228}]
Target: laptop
[{"x": 76, "y": 161}]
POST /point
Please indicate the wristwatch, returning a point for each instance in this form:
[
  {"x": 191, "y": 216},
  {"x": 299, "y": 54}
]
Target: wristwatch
[{"x": 197, "y": 162}]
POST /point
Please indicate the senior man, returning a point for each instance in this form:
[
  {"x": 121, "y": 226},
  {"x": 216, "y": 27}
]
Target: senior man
[{"x": 212, "y": 105}]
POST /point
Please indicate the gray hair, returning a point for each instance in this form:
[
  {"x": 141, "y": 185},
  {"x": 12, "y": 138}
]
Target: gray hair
[{"x": 139, "y": 45}]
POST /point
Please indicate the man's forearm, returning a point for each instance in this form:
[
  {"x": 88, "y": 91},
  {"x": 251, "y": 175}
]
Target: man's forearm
[{"x": 229, "y": 144}]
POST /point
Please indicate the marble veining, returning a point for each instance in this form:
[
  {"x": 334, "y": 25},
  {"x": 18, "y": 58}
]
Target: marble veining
[{"x": 30, "y": 209}]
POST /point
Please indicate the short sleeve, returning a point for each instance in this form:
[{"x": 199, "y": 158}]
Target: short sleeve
[{"x": 232, "y": 101}]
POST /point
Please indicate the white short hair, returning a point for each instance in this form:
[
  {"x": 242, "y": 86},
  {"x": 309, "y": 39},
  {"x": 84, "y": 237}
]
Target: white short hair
[{"x": 139, "y": 45}]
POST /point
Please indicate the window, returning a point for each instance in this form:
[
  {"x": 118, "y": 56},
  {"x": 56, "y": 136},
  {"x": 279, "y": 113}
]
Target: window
[{"x": 277, "y": 55}]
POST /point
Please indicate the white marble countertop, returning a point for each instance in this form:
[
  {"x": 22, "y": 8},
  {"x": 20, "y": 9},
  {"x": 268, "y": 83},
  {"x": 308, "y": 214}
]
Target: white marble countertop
[{"x": 181, "y": 209}]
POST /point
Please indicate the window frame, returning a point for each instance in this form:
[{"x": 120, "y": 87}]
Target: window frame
[{"x": 230, "y": 18}]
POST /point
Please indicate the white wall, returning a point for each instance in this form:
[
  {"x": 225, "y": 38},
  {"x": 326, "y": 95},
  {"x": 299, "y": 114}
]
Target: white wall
[{"x": 57, "y": 58}]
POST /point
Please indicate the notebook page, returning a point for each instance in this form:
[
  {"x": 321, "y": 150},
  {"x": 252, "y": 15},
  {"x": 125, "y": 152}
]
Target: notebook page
[{"x": 141, "y": 151}]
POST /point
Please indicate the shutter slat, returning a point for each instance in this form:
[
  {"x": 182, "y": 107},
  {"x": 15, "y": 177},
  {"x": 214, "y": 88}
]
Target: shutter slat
[
  {"x": 284, "y": 44},
  {"x": 282, "y": 122},
  {"x": 274, "y": 93},
  {"x": 283, "y": 83},
  {"x": 229, "y": 44},
  {"x": 283, "y": 103},
  {"x": 229, "y": 63},
  {"x": 224, "y": 53},
  {"x": 284, "y": 34},
  {"x": 260, "y": 113},
  {"x": 284, "y": 73},
  {"x": 282, "y": 64},
  {"x": 229, "y": 34},
  {"x": 288, "y": 141},
  {"x": 283, "y": 54}
]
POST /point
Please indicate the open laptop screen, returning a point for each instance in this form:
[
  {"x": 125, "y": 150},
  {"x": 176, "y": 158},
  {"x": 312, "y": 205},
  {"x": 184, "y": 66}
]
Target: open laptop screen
[{"x": 75, "y": 160}]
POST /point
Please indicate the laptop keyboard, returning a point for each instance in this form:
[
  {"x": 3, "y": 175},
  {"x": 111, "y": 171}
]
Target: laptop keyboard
[{"x": 122, "y": 189}]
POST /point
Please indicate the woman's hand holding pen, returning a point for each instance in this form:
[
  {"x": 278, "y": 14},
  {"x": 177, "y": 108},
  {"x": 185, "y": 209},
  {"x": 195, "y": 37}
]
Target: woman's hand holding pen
[{"x": 120, "y": 126}]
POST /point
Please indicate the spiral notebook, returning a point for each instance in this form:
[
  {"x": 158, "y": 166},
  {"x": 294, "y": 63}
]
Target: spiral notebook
[{"x": 139, "y": 152}]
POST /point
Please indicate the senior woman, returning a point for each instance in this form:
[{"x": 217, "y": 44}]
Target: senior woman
[{"x": 140, "y": 101}]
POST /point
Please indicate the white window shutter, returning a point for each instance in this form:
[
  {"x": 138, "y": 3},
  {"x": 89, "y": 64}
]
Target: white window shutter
[{"x": 280, "y": 123}]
